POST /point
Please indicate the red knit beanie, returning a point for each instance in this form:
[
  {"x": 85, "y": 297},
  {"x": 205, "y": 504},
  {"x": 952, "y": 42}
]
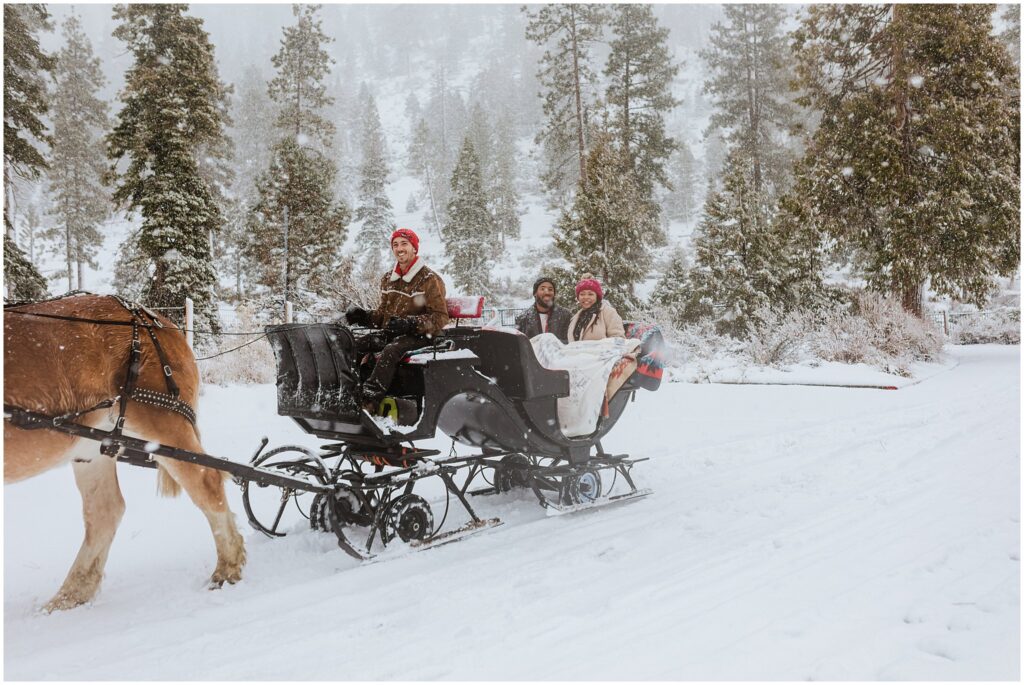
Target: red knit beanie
[
  {"x": 409, "y": 235},
  {"x": 590, "y": 284}
]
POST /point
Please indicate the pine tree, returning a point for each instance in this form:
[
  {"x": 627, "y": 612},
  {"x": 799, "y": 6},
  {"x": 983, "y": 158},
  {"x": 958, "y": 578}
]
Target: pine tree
[
  {"x": 426, "y": 166},
  {"x": 295, "y": 200},
  {"x": 611, "y": 230},
  {"x": 469, "y": 232},
  {"x": 80, "y": 201},
  {"x": 1011, "y": 36},
  {"x": 374, "y": 209},
  {"x": 640, "y": 71},
  {"x": 253, "y": 115},
  {"x": 445, "y": 121},
  {"x": 671, "y": 291},
  {"x": 916, "y": 162},
  {"x": 747, "y": 257},
  {"x": 568, "y": 33},
  {"x": 503, "y": 193},
  {"x": 681, "y": 202},
  {"x": 479, "y": 131},
  {"x": 174, "y": 116},
  {"x": 714, "y": 158},
  {"x": 749, "y": 83},
  {"x": 298, "y": 88},
  {"x": 25, "y": 102},
  {"x": 296, "y": 204}
]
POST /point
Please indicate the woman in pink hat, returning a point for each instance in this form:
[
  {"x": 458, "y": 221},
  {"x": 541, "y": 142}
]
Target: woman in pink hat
[{"x": 596, "y": 319}]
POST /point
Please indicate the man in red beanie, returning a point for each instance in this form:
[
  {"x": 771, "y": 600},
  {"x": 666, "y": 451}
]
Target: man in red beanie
[{"x": 412, "y": 308}]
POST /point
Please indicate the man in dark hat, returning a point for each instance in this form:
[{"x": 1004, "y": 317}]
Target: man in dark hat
[{"x": 544, "y": 316}]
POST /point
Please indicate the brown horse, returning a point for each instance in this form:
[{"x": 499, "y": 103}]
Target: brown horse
[{"x": 55, "y": 367}]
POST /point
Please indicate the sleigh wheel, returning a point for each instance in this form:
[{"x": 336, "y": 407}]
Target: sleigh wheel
[
  {"x": 409, "y": 517},
  {"x": 349, "y": 509},
  {"x": 511, "y": 474},
  {"x": 581, "y": 488},
  {"x": 270, "y": 509}
]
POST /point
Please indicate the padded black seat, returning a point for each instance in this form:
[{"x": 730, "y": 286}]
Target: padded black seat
[{"x": 508, "y": 358}]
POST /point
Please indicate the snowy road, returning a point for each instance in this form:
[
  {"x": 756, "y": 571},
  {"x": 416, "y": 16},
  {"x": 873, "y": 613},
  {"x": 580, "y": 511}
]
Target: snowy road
[{"x": 795, "y": 533}]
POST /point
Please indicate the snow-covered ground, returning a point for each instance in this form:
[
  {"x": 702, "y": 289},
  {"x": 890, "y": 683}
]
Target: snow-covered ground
[{"x": 794, "y": 533}]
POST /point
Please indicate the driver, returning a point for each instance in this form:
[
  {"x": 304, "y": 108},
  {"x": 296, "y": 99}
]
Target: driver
[{"x": 412, "y": 308}]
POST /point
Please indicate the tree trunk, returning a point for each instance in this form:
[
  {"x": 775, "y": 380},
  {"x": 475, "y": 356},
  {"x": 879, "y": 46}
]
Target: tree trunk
[
  {"x": 68, "y": 258},
  {"x": 910, "y": 295},
  {"x": 579, "y": 99}
]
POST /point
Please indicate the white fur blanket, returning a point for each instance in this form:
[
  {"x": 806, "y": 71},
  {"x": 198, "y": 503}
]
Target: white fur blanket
[{"x": 590, "y": 364}]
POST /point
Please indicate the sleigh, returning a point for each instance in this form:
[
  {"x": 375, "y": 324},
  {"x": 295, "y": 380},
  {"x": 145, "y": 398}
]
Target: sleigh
[{"x": 480, "y": 385}]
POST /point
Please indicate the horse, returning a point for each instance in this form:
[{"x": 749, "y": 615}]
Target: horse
[{"x": 67, "y": 356}]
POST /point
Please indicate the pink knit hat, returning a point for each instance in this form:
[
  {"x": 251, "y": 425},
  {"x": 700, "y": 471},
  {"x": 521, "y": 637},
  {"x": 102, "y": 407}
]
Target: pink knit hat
[{"x": 590, "y": 284}]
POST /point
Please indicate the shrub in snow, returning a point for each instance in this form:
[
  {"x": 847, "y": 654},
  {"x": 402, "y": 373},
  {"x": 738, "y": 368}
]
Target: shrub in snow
[
  {"x": 250, "y": 364},
  {"x": 1000, "y": 326},
  {"x": 877, "y": 330},
  {"x": 776, "y": 338}
]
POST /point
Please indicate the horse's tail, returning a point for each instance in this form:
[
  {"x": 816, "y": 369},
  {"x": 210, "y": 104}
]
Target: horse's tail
[{"x": 166, "y": 486}]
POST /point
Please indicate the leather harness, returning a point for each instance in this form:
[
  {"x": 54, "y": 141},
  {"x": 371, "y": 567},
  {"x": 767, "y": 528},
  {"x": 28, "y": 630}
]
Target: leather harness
[{"x": 143, "y": 318}]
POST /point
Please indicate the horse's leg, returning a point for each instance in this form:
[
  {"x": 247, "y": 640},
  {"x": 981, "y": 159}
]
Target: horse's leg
[
  {"x": 205, "y": 486},
  {"x": 102, "y": 509}
]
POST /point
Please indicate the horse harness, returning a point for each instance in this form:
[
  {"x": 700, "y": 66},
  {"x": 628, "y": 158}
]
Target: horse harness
[{"x": 141, "y": 317}]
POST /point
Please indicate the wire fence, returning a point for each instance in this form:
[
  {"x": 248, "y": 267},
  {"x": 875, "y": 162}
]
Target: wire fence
[{"x": 948, "y": 321}]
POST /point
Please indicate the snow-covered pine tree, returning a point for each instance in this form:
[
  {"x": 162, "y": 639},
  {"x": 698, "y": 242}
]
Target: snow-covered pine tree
[
  {"x": 469, "y": 232},
  {"x": 567, "y": 32},
  {"x": 672, "y": 291},
  {"x": 374, "y": 208},
  {"x": 25, "y": 102},
  {"x": 295, "y": 195},
  {"x": 1011, "y": 34},
  {"x": 745, "y": 257},
  {"x": 481, "y": 133},
  {"x": 681, "y": 202},
  {"x": 446, "y": 119},
  {"x": 302, "y": 63},
  {"x": 504, "y": 195},
  {"x": 714, "y": 158},
  {"x": 749, "y": 86},
  {"x": 80, "y": 200},
  {"x": 425, "y": 165},
  {"x": 916, "y": 162},
  {"x": 175, "y": 109},
  {"x": 611, "y": 230},
  {"x": 253, "y": 115},
  {"x": 413, "y": 110},
  {"x": 640, "y": 70}
]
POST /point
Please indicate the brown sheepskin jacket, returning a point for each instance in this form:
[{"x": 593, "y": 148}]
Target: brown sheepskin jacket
[{"x": 419, "y": 293}]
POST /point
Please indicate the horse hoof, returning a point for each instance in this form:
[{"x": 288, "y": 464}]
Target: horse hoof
[
  {"x": 63, "y": 602},
  {"x": 218, "y": 579}
]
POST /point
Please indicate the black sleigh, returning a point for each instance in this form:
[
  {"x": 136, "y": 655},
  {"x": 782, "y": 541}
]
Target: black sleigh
[{"x": 481, "y": 386}]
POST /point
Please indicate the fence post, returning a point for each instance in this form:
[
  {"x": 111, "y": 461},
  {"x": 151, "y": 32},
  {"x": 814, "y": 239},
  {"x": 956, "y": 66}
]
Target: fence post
[
  {"x": 287, "y": 311},
  {"x": 945, "y": 323},
  {"x": 188, "y": 321}
]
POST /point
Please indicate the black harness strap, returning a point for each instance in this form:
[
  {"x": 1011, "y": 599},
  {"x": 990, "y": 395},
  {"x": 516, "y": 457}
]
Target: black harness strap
[{"x": 141, "y": 317}]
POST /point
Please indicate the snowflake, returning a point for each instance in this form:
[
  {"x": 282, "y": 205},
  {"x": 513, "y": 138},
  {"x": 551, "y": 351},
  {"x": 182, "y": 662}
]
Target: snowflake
[
  {"x": 917, "y": 81},
  {"x": 847, "y": 171}
]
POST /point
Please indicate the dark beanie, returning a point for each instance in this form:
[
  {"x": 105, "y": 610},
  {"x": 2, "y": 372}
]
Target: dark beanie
[{"x": 543, "y": 279}]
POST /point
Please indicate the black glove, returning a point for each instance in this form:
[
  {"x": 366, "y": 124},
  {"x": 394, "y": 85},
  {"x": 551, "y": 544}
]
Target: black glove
[
  {"x": 400, "y": 326},
  {"x": 357, "y": 316}
]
